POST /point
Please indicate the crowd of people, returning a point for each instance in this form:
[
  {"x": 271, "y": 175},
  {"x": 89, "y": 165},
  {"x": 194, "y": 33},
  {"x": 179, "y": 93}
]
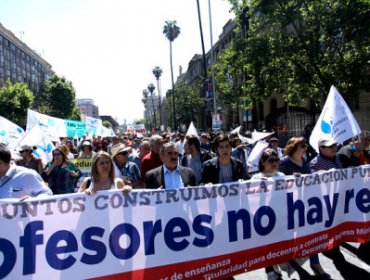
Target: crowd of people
[{"x": 168, "y": 161}]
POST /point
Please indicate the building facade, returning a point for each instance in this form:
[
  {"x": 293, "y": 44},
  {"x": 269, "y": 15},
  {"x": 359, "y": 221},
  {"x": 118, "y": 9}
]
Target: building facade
[
  {"x": 88, "y": 108},
  {"x": 20, "y": 63}
]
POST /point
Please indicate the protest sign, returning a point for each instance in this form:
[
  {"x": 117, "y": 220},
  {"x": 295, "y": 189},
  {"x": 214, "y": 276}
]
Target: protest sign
[
  {"x": 136, "y": 128},
  {"x": 84, "y": 165},
  {"x": 191, "y": 233}
]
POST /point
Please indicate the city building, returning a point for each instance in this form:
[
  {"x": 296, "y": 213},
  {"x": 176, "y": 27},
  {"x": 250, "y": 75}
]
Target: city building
[
  {"x": 20, "y": 63},
  {"x": 88, "y": 107},
  {"x": 152, "y": 108}
]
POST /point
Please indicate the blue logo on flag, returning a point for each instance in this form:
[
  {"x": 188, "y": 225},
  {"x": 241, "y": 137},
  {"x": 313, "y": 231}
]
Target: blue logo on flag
[{"x": 325, "y": 127}]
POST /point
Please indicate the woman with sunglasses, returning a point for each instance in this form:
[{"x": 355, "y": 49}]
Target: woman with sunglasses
[
  {"x": 267, "y": 166},
  {"x": 295, "y": 163},
  {"x": 62, "y": 174},
  {"x": 102, "y": 176}
]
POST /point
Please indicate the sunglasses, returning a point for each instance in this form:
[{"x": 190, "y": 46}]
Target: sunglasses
[
  {"x": 123, "y": 153},
  {"x": 22, "y": 151},
  {"x": 56, "y": 154},
  {"x": 273, "y": 160}
]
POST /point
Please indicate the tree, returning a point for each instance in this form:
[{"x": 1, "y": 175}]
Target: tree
[
  {"x": 145, "y": 102},
  {"x": 300, "y": 48},
  {"x": 151, "y": 89},
  {"x": 187, "y": 98},
  {"x": 172, "y": 31},
  {"x": 15, "y": 99},
  {"x": 59, "y": 98},
  {"x": 157, "y": 72},
  {"x": 107, "y": 124}
]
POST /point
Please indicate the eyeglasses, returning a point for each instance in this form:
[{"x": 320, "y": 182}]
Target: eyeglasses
[
  {"x": 56, "y": 154},
  {"x": 273, "y": 160}
]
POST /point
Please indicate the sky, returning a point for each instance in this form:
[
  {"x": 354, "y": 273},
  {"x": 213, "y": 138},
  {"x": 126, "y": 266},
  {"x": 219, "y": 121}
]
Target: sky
[{"x": 108, "y": 48}]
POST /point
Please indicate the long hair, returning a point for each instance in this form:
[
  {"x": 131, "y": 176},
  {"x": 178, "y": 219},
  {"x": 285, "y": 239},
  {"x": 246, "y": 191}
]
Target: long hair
[
  {"x": 94, "y": 165},
  {"x": 65, "y": 159}
]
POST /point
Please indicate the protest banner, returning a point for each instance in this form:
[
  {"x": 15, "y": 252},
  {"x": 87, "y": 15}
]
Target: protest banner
[
  {"x": 136, "y": 128},
  {"x": 73, "y": 127},
  {"x": 191, "y": 233},
  {"x": 336, "y": 121},
  {"x": 10, "y": 133},
  {"x": 53, "y": 127}
]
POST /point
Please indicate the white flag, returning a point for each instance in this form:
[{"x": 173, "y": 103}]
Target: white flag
[
  {"x": 53, "y": 127},
  {"x": 10, "y": 133},
  {"x": 192, "y": 130},
  {"x": 37, "y": 137},
  {"x": 255, "y": 155},
  {"x": 336, "y": 121}
]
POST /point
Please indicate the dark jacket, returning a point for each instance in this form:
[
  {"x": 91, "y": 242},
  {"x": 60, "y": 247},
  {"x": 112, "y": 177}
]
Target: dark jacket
[
  {"x": 155, "y": 177},
  {"x": 211, "y": 169},
  {"x": 204, "y": 156}
]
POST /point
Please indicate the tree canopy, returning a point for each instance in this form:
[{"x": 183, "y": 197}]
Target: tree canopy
[
  {"x": 298, "y": 49},
  {"x": 15, "y": 99},
  {"x": 58, "y": 98},
  {"x": 187, "y": 101}
]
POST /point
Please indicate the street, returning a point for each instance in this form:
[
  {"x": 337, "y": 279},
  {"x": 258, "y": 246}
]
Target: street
[{"x": 359, "y": 270}]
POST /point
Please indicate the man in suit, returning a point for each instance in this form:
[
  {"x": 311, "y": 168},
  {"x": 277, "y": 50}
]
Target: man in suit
[{"x": 170, "y": 175}]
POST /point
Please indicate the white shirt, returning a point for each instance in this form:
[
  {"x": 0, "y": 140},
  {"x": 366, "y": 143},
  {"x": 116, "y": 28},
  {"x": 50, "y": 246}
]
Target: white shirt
[{"x": 20, "y": 181}]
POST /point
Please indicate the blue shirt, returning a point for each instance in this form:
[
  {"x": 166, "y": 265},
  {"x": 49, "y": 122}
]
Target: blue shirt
[
  {"x": 172, "y": 179},
  {"x": 130, "y": 171},
  {"x": 288, "y": 167},
  {"x": 20, "y": 181}
]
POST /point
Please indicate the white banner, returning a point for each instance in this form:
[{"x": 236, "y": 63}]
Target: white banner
[
  {"x": 192, "y": 233},
  {"x": 336, "y": 121},
  {"x": 136, "y": 128},
  {"x": 10, "y": 133},
  {"x": 53, "y": 127}
]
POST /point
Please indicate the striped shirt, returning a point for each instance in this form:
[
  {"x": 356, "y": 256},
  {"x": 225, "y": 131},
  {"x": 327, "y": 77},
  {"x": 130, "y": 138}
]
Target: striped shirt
[{"x": 321, "y": 162}]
